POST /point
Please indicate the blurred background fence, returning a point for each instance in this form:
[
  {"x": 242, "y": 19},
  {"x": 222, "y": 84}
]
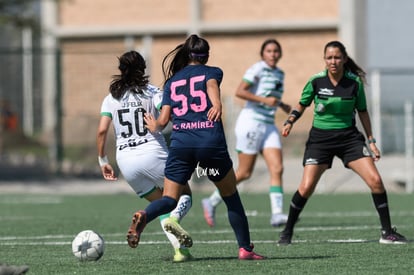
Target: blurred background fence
[
  {"x": 57, "y": 59},
  {"x": 22, "y": 112}
]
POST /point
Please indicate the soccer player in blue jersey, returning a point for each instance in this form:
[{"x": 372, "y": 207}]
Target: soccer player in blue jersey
[
  {"x": 192, "y": 101},
  {"x": 337, "y": 94}
]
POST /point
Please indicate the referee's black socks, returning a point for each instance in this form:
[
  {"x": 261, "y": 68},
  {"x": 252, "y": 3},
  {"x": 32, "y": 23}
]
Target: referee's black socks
[
  {"x": 381, "y": 204},
  {"x": 296, "y": 205}
]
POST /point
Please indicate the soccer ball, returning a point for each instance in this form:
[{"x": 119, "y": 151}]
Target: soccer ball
[{"x": 88, "y": 246}]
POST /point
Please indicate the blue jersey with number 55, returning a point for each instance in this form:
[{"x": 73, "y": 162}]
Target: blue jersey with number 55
[{"x": 186, "y": 93}]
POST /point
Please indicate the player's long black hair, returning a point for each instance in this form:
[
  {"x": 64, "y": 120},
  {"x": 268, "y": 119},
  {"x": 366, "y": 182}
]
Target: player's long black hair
[
  {"x": 194, "y": 48},
  {"x": 132, "y": 66},
  {"x": 350, "y": 64}
]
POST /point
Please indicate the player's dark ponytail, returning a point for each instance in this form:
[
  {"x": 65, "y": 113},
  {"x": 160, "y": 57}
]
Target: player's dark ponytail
[
  {"x": 132, "y": 67},
  {"x": 194, "y": 48}
]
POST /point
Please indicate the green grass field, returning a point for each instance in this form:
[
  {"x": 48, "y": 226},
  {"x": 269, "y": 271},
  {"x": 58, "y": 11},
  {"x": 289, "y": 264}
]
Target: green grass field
[{"x": 337, "y": 234}]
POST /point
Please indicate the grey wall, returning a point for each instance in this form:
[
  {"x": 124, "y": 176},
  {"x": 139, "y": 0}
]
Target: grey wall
[
  {"x": 390, "y": 49},
  {"x": 390, "y": 29}
]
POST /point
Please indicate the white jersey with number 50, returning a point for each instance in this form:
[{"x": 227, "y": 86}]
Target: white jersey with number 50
[
  {"x": 140, "y": 155},
  {"x": 127, "y": 116}
]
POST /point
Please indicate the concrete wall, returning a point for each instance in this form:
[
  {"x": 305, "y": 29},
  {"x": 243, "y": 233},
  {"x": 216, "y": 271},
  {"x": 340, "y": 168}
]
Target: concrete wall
[{"x": 92, "y": 38}]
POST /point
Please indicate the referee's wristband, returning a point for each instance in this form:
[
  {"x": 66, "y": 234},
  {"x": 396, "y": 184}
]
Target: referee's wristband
[
  {"x": 103, "y": 160},
  {"x": 372, "y": 140}
]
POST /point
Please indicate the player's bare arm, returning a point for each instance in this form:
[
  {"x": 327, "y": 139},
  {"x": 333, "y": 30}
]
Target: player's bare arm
[
  {"x": 107, "y": 171},
  {"x": 213, "y": 91},
  {"x": 292, "y": 118},
  {"x": 366, "y": 124}
]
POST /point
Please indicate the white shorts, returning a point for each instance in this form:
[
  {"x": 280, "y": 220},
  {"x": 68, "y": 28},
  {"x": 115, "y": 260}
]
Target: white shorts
[
  {"x": 143, "y": 169},
  {"x": 253, "y": 136}
]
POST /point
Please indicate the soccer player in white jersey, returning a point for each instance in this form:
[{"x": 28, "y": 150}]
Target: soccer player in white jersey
[
  {"x": 140, "y": 154},
  {"x": 262, "y": 88}
]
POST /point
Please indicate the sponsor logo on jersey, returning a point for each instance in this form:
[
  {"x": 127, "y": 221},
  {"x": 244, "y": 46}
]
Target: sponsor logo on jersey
[
  {"x": 132, "y": 143},
  {"x": 311, "y": 161},
  {"x": 326, "y": 91},
  {"x": 320, "y": 108},
  {"x": 366, "y": 152}
]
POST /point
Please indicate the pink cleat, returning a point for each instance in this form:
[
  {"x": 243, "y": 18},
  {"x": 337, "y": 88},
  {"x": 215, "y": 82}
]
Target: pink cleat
[
  {"x": 209, "y": 212},
  {"x": 249, "y": 255}
]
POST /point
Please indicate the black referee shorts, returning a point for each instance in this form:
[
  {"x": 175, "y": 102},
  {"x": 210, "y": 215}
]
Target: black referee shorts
[{"x": 323, "y": 145}]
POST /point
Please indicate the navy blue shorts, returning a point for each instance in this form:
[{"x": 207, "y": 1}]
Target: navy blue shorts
[
  {"x": 213, "y": 163},
  {"x": 323, "y": 145}
]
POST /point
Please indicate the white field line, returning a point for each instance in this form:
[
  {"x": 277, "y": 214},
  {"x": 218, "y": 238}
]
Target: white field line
[
  {"x": 68, "y": 243},
  {"x": 201, "y": 232},
  {"x": 67, "y": 239},
  {"x": 253, "y": 213},
  {"x": 372, "y": 213},
  {"x": 32, "y": 200},
  {"x": 58, "y": 240}
]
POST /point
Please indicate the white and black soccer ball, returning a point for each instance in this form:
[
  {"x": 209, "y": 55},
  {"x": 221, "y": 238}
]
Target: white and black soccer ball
[{"x": 88, "y": 246}]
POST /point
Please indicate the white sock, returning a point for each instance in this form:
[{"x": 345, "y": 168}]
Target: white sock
[
  {"x": 173, "y": 240},
  {"x": 276, "y": 202},
  {"x": 215, "y": 198},
  {"x": 183, "y": 206}
]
